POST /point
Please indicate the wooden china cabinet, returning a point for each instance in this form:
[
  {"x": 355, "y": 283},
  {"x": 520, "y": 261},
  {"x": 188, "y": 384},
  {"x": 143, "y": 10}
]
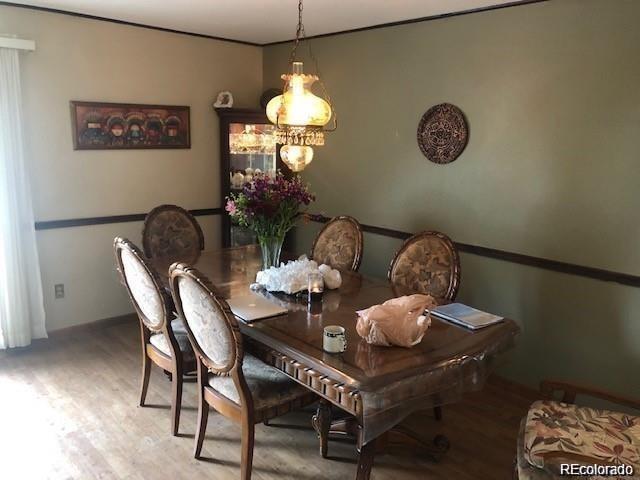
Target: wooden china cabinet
[{"x": 247, "y": 147}]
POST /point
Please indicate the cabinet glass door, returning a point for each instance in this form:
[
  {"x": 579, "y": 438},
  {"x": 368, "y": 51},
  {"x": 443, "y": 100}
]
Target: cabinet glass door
[{"x": 252, "y": 151}]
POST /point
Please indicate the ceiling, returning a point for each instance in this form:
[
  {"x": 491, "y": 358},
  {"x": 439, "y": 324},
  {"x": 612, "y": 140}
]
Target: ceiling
[{"x": 262, "y": 21}]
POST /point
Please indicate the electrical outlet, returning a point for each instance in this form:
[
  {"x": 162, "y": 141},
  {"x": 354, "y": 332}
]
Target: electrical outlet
[{"x": 59, "y": 290}]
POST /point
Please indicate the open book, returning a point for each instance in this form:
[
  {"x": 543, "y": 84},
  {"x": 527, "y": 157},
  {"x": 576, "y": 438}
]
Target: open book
[{"x": 465, "y": 316}]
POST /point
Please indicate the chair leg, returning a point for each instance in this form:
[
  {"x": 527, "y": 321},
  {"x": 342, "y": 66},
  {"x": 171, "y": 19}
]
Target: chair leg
[
  {"x": 247, "y": 449},
  {"x": 176, "y": 401},
  {"x": 203, "y": 415},
  {"x": 146, "y": 373},
  {"x": 437, "y": 412}
]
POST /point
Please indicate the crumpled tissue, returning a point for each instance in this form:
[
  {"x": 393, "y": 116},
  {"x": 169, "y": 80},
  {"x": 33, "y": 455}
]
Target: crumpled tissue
[{"x": 399, "y": 321}]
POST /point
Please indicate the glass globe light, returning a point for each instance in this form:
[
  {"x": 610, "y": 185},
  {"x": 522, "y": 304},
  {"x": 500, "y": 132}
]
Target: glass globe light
[
  {"x": 300, "y": 116},
  {"x": 297, "y": 106},
  {"x": 296, "y": 157}
]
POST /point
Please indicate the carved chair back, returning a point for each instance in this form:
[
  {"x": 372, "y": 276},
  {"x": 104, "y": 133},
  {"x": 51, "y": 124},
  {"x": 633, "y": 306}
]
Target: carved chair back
[
  {"x": 150, "y": 300},
  {"x": 212, "y": 328},
  {"x": 427, "y": 263},
  {"x": 171, "y": 233},
  {"x": 142, "y": 284},
  {"x": 339, "y": 244}
]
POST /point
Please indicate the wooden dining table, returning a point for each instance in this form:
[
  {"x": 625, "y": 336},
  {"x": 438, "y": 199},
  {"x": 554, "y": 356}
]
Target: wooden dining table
[{"x": 375, "y": 388}]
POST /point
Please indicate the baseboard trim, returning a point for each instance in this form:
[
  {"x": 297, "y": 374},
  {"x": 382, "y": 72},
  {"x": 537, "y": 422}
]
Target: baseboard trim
[
  {"x": 514, "y": 387},
  {"x": 71, "y": 332},
  {"x": 89, "y": 327}
]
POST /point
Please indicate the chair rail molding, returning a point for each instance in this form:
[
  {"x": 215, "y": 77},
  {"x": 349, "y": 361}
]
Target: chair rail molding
[
  {"x": 130, "y": 217},
  {"x": 622, "y": 278},
  {"x": 513, "y": 257}
]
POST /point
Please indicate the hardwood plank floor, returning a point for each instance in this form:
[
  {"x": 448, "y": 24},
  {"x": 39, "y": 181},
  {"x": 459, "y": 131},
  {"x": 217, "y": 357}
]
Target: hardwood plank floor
[{"x": 68, "y": 410}]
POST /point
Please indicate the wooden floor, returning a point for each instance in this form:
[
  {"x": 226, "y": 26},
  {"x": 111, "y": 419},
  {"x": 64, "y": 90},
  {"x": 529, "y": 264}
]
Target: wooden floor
[{"x": 68, "y": 410}]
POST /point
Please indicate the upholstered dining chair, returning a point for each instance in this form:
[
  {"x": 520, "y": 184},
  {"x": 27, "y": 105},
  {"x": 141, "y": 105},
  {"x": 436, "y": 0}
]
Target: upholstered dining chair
[
  {"x": 236, "y": 384},
  {"x": 339, "y": 244},
  {"x": 172, "y": 234},
  {"x": 164, "y": 342},
  {"x": 428, "y": 263},
  {"x": 560, "y": 432}
]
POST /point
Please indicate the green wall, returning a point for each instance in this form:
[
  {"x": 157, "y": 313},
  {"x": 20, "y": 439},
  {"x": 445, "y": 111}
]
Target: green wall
[{"x": 551, "y": 93}]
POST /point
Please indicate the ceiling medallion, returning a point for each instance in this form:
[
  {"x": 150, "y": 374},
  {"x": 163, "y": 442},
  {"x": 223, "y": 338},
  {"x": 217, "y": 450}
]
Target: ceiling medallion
[{"x": 443, "y": 133}]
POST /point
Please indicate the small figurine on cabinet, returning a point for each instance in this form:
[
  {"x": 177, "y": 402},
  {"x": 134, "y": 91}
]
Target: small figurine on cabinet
[{"x": 224, "y": 100}]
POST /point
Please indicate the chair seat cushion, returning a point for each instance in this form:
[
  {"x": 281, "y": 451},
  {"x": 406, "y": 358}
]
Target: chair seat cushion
[
  {"x": 557, "y": 433},
  {"x": 524, "y": 470},
  {"x": 268, "y": 385},
  {"x": 159, "y": 341}
]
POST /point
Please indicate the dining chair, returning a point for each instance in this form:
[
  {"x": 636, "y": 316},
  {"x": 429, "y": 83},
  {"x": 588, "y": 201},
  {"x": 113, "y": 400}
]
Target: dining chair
[
  {"x": 164, "y": 343},
  {"x": 236, "y": 384},
  {"x": 172, "y": 234},
  {"x": 427, "y": 263},
  {"x": 559, "y": 432},
  {"x": 339, "y": 244}
]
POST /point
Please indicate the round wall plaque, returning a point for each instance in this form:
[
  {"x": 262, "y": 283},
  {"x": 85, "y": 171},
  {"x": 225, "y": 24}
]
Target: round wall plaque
[{"x": 443, "y": 133}]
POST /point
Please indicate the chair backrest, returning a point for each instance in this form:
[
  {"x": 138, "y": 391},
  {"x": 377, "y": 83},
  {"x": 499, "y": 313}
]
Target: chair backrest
[
  {"x": 144, "y": 288},
  {"x": 173, "y": 234},
  {"x": 212, "y": 329},
  {"x": 428, "y": 263},
  {"x": 339, "y": 244}
]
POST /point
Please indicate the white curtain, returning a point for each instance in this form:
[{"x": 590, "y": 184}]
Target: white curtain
[{"x": 21, "y": 304}]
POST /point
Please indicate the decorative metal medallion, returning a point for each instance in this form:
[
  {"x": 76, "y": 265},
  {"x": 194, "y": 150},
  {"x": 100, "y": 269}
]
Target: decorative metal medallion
[{"x": 443, "y": 133}]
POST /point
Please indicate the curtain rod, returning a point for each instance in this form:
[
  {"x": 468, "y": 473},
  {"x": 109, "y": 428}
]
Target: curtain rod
[{"x": 17, "y": 43}]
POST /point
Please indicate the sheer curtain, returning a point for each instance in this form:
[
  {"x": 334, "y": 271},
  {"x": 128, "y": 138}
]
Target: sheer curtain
[{"x": 21, "y": 303}]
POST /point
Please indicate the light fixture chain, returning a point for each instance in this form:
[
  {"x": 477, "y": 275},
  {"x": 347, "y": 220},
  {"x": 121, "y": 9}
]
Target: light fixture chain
[
  {"x": 305, "y": 136},
  {"x": 299, "y": 33}
]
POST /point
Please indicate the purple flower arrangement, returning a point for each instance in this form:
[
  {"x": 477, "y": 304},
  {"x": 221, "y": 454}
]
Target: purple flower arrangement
[{"x": 270, "y": 206}]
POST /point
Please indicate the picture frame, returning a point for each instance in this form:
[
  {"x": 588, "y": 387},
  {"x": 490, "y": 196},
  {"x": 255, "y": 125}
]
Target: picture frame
[{"x": 129, "y": 126}]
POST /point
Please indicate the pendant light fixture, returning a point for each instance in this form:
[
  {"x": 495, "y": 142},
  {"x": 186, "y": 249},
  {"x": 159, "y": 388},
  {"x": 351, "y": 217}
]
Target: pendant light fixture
[{"x": 300, "y": 116}]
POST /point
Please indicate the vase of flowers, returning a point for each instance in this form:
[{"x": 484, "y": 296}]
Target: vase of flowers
[{"x": 270, "y": 207}]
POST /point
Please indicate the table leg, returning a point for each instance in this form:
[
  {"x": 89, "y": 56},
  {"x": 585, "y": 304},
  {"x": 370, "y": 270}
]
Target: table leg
[
  {"x": 365, "y": 460},
  {"x": 400, "y": 435},
  {"x": 322, "y": 423}
]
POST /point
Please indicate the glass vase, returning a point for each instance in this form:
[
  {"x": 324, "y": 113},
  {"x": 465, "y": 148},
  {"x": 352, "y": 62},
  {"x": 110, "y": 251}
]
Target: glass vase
[{"x": 271, "y": 248}]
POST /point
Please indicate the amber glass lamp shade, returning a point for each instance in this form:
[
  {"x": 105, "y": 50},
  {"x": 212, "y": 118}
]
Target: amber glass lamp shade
[
  {"x": 296, "y": 157},
  {"x": 298, "y": 111}
]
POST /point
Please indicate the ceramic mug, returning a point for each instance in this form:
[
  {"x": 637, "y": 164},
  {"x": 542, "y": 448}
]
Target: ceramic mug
[{"x": 334, "y": 339}]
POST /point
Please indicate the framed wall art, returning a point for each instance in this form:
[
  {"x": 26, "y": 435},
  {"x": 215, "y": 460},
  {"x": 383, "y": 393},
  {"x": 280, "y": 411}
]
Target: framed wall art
[{"x": 117, "y": 126}]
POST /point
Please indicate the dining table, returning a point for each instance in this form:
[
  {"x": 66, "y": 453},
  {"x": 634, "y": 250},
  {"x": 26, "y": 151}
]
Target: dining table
[{"x": 373, "y": 388}]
